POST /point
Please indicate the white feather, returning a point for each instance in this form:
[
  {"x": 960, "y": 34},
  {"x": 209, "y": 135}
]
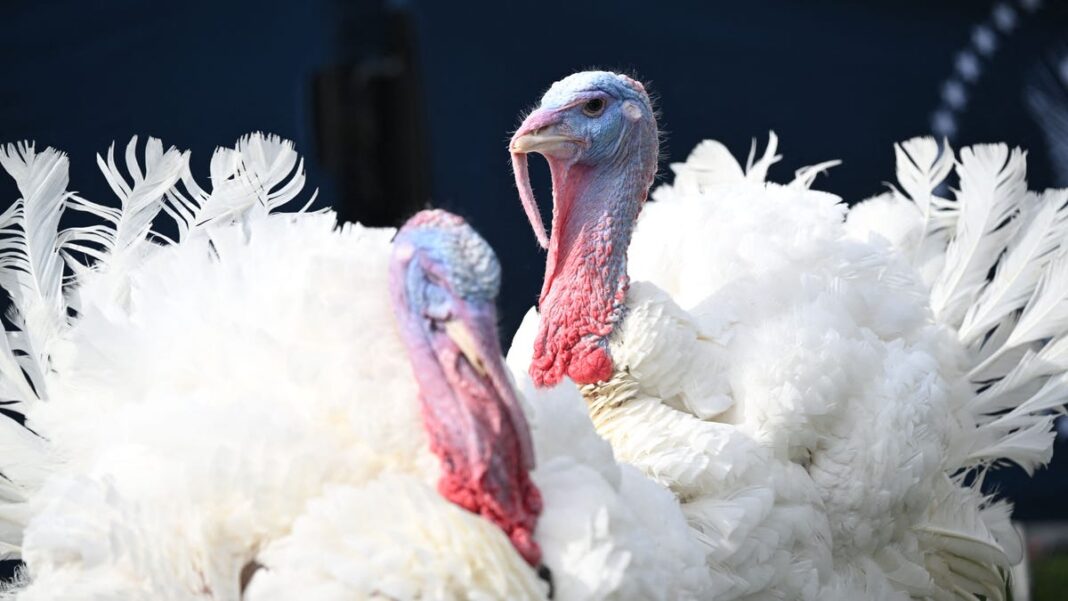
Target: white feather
[
  {"x": 921, "y": 168},
  {"x": 992, "y": 186},
  {"x": 270, "y": 338},
  {"x": 846, "y": 405},
  {"x": 1046, "y": 313},
  {"x": 120, "y": 243},
  {"x": 31, "y": 269},
  {"x": 1044, "y": 224},
  {"x": 261, "y": 172},
  {"x": 392, "y": 538}
]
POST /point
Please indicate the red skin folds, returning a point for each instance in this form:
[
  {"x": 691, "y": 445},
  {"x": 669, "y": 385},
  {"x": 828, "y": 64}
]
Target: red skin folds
[
  {"x": 578, "y": 314},
  {"x": 483, "y": 465},
  {"x": 586, "y": 280},
  {"x": 590, "y": 365}
]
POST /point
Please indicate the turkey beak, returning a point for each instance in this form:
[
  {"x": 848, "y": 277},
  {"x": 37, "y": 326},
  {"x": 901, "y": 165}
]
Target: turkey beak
[
  {"x": 469, "y": 347},
  {"x": 541, "y": 132},
  {"x": 544, "y": 140}
]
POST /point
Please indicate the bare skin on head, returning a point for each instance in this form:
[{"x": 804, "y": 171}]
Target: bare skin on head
[
  {"x": 444, "y": 280},
  {"x": 598, "y": 133}
]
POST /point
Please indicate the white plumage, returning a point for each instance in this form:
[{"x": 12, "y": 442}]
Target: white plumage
[
  {"x": 237, "y": 406},
  {"x": 814, "y": 384},
  {"x": 231, "y": 415}
]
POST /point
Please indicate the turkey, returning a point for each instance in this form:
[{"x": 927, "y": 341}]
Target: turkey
[
  {"x": 823, "y": 389},
  {"x": 270, "y": 407}
]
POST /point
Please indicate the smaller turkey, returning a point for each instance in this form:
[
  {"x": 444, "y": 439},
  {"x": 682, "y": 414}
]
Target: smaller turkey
[
  {"x": 273, "y": 407},
  {"x": 823, "y": 389}
]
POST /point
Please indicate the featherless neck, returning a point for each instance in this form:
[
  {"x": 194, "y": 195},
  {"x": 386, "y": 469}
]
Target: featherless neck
[{"x": 586, "y": 280}]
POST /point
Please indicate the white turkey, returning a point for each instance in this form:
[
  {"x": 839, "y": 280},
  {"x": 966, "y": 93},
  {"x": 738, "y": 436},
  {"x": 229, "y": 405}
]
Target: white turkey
[
  {"x": 823, "y": 389},
  {"x": 272, "y": 407}
]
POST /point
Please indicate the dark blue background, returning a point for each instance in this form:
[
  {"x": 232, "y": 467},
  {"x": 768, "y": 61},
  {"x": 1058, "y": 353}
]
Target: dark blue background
[{"x": 834, "y": 79}]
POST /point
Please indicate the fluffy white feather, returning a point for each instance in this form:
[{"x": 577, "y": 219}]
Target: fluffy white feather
[
  {"x": 31, "y": 269},
  {"x": 247, "y": 415},
  {"x": 122, "y": 240},
  {"x": 1044, "y": 224},
  {"x": 992, "y": 191},
  {"x": 921, "y": 168},
  {"x": 800, "y": 377}
]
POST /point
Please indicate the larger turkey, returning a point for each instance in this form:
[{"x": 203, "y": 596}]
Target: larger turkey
[{"x": 823, "y": 389}]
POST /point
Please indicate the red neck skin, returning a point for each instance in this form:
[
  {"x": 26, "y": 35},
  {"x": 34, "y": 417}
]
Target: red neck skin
[
  {"x": 484, "y": 468},
  {"x": 586, "y": 282}
]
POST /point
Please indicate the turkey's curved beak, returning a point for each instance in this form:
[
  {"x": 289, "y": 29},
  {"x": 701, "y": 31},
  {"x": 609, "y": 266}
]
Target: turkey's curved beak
[
  {"x": 540, "y": 140},
  {"x": 541, "y": 132},
  {"x": 470, "y": 347}
]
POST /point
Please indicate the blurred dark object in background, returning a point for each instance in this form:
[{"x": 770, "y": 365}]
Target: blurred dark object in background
[
  {"x": 369, "y": 117},
  {"x": 395, "y": 104}
]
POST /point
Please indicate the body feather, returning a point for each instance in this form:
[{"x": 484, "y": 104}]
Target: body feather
[
  {"x": 854, "y": 364},
  {"x": 269, "y": 336}
]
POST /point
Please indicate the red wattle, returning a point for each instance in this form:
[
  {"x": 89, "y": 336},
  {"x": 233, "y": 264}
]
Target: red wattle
[
  {"x": 594, "y": 366},
  {"x": 579, "y": 310},
  {"x": 585, "y": 282},
  {"x": 484, "y": 468}
]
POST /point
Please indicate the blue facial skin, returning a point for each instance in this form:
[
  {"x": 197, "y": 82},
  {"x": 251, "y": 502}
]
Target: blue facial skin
[
  {"x": 603, "y": 130},
  {"x": 448, "y": 263},
  {"x": 444, "y": 274}
]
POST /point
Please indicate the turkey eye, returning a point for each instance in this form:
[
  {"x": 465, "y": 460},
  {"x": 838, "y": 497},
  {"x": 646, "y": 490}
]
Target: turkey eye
[{"x": 593, "y": 107}]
